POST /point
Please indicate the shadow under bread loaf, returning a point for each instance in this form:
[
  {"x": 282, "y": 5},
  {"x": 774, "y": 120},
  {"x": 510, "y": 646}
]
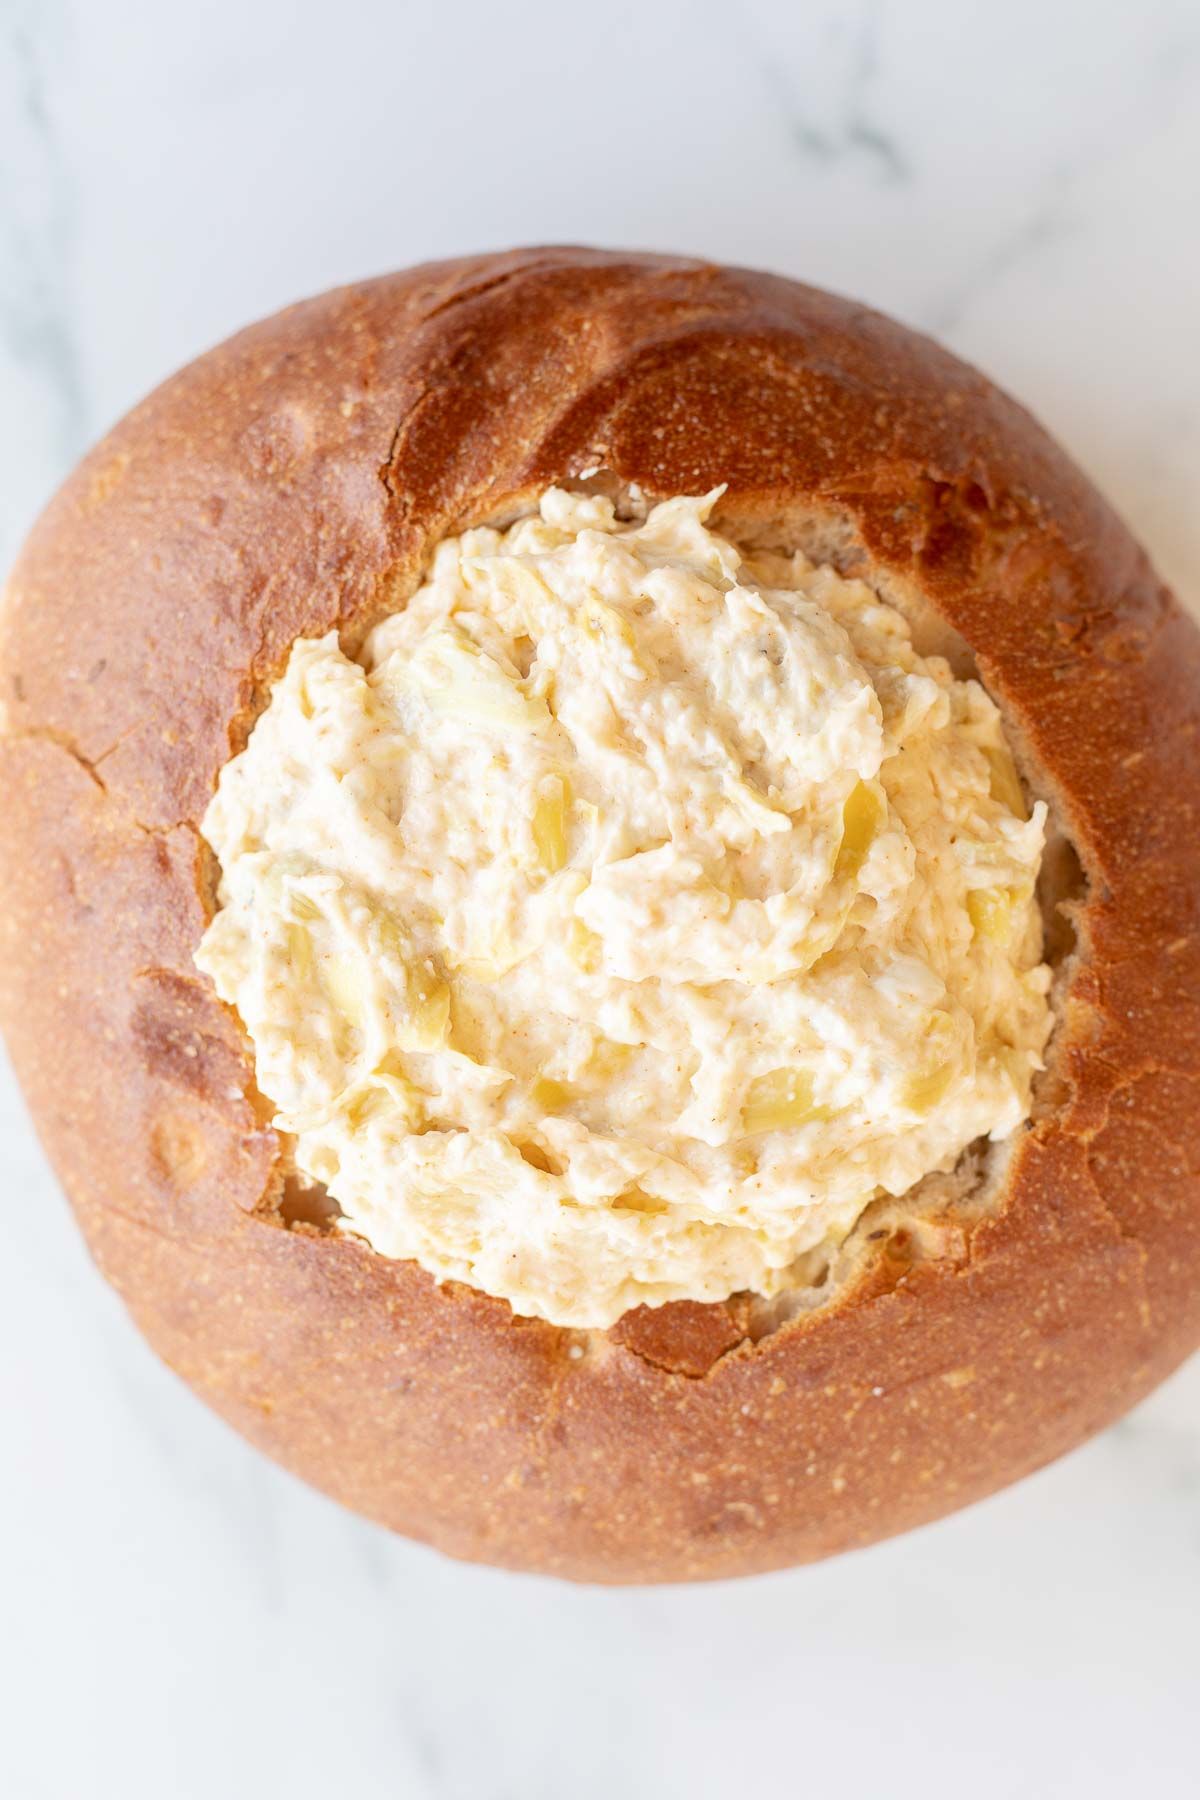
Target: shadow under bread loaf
[{"x": 296, "y": 480}]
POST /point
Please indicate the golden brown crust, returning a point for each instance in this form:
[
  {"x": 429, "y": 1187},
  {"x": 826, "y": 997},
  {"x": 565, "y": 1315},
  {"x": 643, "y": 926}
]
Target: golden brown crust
[{"x": 295, "y": 478}]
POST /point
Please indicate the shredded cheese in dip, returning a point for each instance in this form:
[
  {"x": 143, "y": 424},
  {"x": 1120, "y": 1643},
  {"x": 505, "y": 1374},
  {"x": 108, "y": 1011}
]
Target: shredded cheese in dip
[{"x": 630, "y": 916}]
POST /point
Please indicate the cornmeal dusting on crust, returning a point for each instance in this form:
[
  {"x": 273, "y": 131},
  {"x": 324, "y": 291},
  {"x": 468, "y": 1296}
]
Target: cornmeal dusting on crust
[{"x": 631, "y": 916}]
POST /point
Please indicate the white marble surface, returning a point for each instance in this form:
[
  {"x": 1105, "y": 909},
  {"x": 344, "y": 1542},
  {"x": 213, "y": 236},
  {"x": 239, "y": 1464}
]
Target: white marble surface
[{"x": 177, "y": 1618}]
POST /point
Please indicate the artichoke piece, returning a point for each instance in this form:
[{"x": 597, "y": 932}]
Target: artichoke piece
[
  {"x": 549, "y": 1095},
  {"x": 993, "y": 911},
  {"x": 1004, "y": 781},
  {"x": 428, "y": 1026},
  {"x": 344, "y": 982},
  {"x": 779, "y": 1101},
  {"x": 921, "y": 1093},
  {"x": 609, "y": 1057},
  {"x": 301, "y": 907},
  {"x": 862, "y": 816},
  {"x": 299, "y": 952},
  {"x": 516, "y": 580},
  {"x": 459, "y": 680},
  {"x": 583, "y": 946},
  {"x": 597, "y": 620},
  {"x": 383, "y": 1095},
  {"x": 754, "y": 808},
  {"x": 550, "y": 824}
]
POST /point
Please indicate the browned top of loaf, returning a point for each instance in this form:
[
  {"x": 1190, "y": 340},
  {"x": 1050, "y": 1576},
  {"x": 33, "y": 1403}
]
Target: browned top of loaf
[{"x": 295, "y": 479}]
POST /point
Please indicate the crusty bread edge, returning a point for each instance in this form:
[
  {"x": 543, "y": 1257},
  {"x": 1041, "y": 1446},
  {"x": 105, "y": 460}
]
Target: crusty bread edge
[{"x": 297, "y": 477}]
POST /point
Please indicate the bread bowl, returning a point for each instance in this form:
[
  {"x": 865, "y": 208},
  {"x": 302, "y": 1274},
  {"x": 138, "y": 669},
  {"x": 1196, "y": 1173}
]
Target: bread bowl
[{"x": 296, "y": 481}]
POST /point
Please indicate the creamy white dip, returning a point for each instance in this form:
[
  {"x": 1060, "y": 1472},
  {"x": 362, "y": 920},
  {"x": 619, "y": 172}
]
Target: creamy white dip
[{"x": 630, "y": 916}]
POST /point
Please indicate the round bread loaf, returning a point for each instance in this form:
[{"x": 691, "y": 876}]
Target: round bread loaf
[{"x": 295, "y": 480}]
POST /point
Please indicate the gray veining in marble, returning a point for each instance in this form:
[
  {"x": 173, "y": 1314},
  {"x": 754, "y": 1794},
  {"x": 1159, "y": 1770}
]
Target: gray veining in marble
[
  {"x": 834, "y": 118},
  {"x": 36, "y": 243}
]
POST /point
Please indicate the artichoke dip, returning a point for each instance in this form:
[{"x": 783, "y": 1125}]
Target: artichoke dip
[{"x": 630, "y": 914}]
